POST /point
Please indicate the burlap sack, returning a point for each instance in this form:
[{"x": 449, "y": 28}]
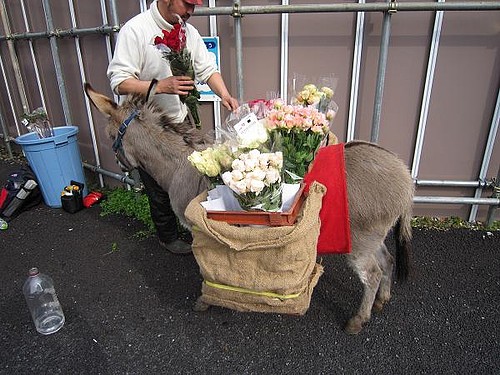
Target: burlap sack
[{"x": 263, "y": 269}]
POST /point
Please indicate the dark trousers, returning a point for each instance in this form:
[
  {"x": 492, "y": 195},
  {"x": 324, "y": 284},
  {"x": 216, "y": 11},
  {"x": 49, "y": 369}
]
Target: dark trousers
[{"x": 162, "y": 214}]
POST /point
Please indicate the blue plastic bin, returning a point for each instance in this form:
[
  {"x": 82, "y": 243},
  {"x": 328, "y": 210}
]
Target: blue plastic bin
[{"x": 55, "y": 161}]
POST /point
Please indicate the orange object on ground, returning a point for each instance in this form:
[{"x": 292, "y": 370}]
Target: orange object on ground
[{"x": 92, "y": 198}]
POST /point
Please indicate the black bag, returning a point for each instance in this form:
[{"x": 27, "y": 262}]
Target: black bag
[
  {"x": 20, "y": 193},
  {"x": 71, "y": 197}
]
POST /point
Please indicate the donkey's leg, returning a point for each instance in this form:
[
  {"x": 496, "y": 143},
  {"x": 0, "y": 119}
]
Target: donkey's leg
[
  {"x": 370, "y": 274},
  {"x": 364, "y": 263},
  {"x": 386, "y": 263}
]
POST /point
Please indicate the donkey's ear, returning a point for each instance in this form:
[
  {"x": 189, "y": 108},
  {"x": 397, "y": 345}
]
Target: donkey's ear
[
  {"x": 152, "y": 89},
  {"x": 104, "y": 104}
]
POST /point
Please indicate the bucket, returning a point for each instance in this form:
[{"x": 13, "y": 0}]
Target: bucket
[{"x": 55, "y": 161}]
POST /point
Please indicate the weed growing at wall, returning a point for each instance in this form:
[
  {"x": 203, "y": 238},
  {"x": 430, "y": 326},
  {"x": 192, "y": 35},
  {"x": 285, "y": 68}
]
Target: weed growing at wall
[{"x": 444, "y": 223}]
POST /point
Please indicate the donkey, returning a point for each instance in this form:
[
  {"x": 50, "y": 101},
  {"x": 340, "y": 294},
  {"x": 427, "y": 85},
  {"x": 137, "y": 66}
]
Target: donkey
[{"x": 380, "y": 190}]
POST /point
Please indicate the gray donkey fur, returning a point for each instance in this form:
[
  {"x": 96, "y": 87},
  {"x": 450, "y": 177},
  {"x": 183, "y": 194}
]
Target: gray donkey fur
[{"x": 380, "y": 191}]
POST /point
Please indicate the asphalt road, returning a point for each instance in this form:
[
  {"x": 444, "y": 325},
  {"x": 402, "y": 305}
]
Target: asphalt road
[{"x": 128, "y": 307}]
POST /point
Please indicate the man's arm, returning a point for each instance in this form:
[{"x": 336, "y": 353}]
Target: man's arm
[
  {"x": 218, "y": 86},
  {"x": 180, "y": 85}
]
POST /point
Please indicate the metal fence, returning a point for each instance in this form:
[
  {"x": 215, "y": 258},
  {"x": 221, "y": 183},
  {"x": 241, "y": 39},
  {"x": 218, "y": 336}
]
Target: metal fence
[{"x": 111, "y": 25}]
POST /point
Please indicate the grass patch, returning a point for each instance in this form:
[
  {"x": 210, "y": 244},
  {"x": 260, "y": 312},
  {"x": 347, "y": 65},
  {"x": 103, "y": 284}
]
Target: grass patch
[
  {"x": 445, "y": 223},
  {"x": 134, "y": 204},
  {"x": 129, "y": 203}
]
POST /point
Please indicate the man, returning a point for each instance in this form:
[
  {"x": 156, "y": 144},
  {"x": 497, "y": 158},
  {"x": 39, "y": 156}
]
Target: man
[{"x": 137, "y": 61}]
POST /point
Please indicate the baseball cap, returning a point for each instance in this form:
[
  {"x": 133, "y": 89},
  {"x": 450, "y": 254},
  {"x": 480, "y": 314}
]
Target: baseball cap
[{"x": 194, "y": 2}]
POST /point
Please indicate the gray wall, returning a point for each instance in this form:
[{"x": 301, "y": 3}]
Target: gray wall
[{"x": 463, "y": 99}]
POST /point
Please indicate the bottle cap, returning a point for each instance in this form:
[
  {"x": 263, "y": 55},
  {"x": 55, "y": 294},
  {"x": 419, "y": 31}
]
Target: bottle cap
[{"x": 33, "y": 271}]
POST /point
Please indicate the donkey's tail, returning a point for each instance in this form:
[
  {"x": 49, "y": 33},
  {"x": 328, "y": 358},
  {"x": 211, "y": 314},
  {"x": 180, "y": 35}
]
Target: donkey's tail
[{"x": 403, "y": 234}]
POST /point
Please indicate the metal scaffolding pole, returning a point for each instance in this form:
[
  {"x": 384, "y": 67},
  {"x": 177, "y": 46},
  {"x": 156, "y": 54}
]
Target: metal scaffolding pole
[
  {"x": 14, "y": 60},
  {"x": 457, "y": 200},
  {"x": 284, "y": 55},
  {"x": 426, "y": 97},
  {"x": 355, "y": 7},
  {"x": 144, "y": 5},
  {"x": 87, "y": 101},
  {"x": 5, "y": 136},
  {"x": 487, "y": 153},
  {"x": 356, "y": 73},
  {"x": 216, "y": 103},
  {"x": 11, "y": 101},
  {"x": 57, "y": 64},
  {"x": 382, "y": 66},
  {"x": 239, "y": 11},
  {"x": 496, "y": 194},
  {"x": 116, "y": 176},
  {"x": 33, "y": 58},
  {"x": 114, "y": 15},
  {"x": 451, "y": 183},
  {"x": 109, "y": 51},
  {"x": 239, "y": 48}
]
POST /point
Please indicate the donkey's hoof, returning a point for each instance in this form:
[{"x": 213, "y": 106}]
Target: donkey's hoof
[
  {"x": 380, "y": 302},
  {"x": 200, "y": 306},
  {"x": 354, "y": 326},
  {"x": 378, "y": 305}
]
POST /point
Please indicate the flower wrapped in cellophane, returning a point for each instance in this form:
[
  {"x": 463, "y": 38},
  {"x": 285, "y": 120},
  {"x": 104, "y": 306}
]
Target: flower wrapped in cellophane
[
  {"x": 241, "y": 133},
  {"x": 317, "y": 93},
  {"x": 255, "y": 179},
  {"x": 271, "y": 144},
  {"x": 38, "y": 122},
  {"x": 298, "y": 132},
  {"x": 173, "y": 47},
  {"x": 244, "y": 128},
  {"x": 213, "y": 161}
]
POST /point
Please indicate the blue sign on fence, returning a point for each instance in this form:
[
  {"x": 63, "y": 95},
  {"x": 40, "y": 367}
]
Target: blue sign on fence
[{"x": 206, "y": 94}]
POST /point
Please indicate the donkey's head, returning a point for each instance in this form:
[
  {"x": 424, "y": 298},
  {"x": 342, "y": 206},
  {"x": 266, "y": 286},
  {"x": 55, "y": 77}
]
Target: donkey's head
[
  {"x": 139, "y": 127},
  {"x": 155, "y": 144},
  {"x": 119, "y": 119}
]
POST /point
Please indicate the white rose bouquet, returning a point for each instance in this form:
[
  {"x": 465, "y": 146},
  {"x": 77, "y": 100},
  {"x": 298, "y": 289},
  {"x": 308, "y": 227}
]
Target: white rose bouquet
[{"x": 255, "y": 179}]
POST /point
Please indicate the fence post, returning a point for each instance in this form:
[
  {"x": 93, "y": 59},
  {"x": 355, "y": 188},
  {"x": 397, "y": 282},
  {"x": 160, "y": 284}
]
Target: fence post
[{"x": 382, "y": 65}]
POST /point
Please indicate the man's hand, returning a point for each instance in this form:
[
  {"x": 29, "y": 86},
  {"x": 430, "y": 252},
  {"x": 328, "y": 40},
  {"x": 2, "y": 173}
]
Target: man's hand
[
  {"x": 180, "y": 85},
  {"x": 218, "y": 86},
  {"x": 230, "y": 103}
]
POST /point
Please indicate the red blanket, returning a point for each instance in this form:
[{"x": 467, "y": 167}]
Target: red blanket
[{"x": 329, "y": 169}]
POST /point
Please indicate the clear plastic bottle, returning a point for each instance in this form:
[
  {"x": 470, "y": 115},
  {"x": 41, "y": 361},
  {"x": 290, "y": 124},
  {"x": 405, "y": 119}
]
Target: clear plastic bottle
[{"x": 42, "y": 302}]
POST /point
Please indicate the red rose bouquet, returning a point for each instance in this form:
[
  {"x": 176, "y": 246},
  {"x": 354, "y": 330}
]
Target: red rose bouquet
[{"x": 173, "y": 47}]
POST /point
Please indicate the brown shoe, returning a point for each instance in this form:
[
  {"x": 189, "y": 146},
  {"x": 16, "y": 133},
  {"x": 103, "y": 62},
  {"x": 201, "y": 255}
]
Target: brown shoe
[{"x": 177, "y": 247}]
